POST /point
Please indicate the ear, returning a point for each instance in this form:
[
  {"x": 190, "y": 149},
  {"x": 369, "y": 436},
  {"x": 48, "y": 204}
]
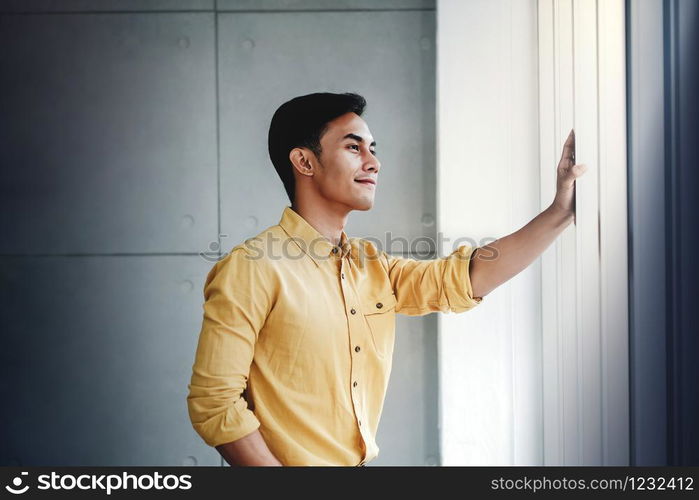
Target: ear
[{"x": 301, "y": 159}]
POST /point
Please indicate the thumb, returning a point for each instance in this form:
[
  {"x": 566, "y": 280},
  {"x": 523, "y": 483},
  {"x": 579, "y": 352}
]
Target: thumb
[{"x": 578, "y": 170}]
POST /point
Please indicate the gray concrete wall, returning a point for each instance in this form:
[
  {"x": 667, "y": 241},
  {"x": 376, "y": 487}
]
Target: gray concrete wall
[{"x": 127, "y": 128}]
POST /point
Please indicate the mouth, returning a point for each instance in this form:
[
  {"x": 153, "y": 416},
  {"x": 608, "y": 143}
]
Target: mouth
[{"x": 367, "y": 182}]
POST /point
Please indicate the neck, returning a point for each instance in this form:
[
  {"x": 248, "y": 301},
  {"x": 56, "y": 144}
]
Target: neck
[{"x": 327, "y": 218}]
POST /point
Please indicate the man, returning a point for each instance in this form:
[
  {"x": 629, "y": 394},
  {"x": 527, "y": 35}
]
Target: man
[{"x": 296, "y": 343}]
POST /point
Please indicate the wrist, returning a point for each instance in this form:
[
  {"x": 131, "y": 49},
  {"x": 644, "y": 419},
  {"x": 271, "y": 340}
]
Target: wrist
[{"x": 561, "y": 215}]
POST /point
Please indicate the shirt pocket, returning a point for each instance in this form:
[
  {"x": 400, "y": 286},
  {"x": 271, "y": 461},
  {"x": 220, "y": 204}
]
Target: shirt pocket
[{"x": 380, "y": 314}]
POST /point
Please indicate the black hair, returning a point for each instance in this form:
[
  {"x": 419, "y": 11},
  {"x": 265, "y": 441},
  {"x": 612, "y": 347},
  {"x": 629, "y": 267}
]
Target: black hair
[{"x": 301, "y": 122}]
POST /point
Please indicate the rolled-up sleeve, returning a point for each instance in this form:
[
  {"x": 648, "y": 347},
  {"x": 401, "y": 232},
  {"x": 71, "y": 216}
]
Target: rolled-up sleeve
[
  {"x": 236, "y": 304},
  {"x": 437, "y": 285}
]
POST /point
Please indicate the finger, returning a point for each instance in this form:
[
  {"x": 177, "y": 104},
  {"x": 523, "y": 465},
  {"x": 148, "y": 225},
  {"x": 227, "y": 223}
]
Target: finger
[{"x": 569, "y": 147}]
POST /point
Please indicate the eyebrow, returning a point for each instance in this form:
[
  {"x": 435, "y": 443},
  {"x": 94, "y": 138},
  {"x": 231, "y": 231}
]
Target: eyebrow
[{"x": 357, "y": 138}]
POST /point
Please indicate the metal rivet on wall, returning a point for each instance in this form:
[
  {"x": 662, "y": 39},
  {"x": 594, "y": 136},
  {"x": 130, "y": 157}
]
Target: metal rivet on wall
[
  {"x": 251, "y": 222},
  {"x": 186, "y": 286},
  {"x": 427, "y": 220},
  {"x": 187, "y": 221},
  {"x": 183, "y": 42},
  {"x": 190, "y": 460},
  {"x": 248, "y": 44}
]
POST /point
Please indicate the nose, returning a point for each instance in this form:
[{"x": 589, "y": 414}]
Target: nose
[{"x": 372, "y": 164}]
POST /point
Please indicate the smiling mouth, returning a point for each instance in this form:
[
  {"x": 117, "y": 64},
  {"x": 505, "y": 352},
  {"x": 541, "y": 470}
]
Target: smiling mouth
[{"x": 366, "y": 182}]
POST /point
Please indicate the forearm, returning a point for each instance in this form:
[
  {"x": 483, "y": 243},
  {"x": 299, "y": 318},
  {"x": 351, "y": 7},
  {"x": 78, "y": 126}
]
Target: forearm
[
  {"x": 250, "y": 450},
  {"x": 508, "y": 256}
]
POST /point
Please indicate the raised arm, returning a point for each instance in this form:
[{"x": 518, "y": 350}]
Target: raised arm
[{"x": 502, "y": 259}]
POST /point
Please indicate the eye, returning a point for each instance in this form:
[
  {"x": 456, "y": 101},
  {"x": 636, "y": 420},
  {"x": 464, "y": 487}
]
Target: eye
[{"x": 372, "y": 151}]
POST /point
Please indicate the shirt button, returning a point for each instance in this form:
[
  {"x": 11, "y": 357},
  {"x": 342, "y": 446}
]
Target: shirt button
[
  {"x": 360, "y": 423},
  {"x": 353, "y": 311},
  {"x": 334, "y": 249},
  {"x": 379, "y": 305},
  {"x": 343, "y": 275},
  {"x": 355, "y": 383},
  {"x": 357, "y": 349}
]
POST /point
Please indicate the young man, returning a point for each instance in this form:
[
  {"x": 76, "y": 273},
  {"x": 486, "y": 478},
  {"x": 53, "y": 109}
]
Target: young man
[{"x": 297, "y": 338}]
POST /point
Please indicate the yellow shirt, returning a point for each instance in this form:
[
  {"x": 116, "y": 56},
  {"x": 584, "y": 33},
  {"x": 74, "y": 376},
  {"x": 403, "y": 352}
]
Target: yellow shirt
[{"x": 307, "y": 330}]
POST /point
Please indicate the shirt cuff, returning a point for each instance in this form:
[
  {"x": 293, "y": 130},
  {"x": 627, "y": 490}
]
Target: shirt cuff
[
  {"x": 234, "y": 423},
  {"x": 457, "y": 280}
]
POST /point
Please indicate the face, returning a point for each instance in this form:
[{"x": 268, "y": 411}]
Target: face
[{"x": 347, "y": 170}]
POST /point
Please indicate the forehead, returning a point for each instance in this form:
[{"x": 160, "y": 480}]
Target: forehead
[{"x": 346, "y": 124}]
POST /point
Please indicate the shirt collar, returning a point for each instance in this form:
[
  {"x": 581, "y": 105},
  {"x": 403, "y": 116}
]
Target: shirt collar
[{"x": 309, "y": 240}]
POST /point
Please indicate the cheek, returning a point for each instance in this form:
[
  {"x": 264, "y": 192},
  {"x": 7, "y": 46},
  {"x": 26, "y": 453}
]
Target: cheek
[
  {"x": 336, "y": 184},
  {"x": 338, "y": 176}
]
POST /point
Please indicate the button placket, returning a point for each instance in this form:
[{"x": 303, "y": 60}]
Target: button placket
[
  {"x": 342, "y": 273},
  {"x": 357, "y": 361},
  {"x": 357, "y": 355}
]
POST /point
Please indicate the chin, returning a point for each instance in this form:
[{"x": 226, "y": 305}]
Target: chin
[{"x": 364, "y": 205}]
